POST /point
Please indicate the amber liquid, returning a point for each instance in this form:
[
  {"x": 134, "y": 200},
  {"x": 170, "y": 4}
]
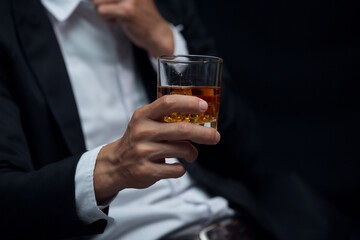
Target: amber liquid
[{"x": 210, "y": 94}]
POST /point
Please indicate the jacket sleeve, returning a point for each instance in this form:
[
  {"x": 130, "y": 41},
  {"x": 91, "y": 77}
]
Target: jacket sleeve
[{"x": 34, "y": 203}]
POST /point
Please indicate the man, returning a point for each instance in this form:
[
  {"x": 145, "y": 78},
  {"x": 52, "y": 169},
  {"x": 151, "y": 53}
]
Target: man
[{"x": 69, "y": 83}]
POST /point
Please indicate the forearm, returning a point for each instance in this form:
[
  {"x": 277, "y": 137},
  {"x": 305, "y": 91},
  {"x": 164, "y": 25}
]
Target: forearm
[{"x": 180, "y": 45}]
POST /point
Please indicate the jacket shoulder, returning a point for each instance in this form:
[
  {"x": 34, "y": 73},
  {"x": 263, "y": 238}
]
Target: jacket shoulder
[
  {"x": 7, "y": 27},
  {"x": 5, "y": 8},
  {"x": 5, "y": 15}
]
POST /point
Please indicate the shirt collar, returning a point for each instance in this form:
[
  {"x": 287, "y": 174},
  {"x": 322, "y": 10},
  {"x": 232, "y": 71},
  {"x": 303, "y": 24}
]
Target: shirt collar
[{"x": 61, "y": 9}]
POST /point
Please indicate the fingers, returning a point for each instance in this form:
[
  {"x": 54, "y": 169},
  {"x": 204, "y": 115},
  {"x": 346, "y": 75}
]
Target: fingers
[
  {"x": 175, "y": 103},
  {"x": 120, "y": 9},
  {"x": 181, "y": 131},
  {"x": 157, "y": 152},
  {"x": 146, "y": 173},
  {"x": 112, "y": 10},
  {"x": 162, "y": 171},
  {"x": 152, "y": 131},
  {"x": 158, "y": 131}
]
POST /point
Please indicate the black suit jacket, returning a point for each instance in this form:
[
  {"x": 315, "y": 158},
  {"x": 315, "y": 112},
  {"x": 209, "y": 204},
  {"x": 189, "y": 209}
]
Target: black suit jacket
[{"x": 40, "y": 132}]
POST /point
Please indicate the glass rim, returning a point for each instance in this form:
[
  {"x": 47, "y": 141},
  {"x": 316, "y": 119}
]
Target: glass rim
[{"x": 171, "y": 58}]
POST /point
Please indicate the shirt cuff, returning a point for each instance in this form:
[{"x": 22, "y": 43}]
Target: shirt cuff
[
  {"x": 180, "y": 47},
  {"x": 87, "y": 208}
]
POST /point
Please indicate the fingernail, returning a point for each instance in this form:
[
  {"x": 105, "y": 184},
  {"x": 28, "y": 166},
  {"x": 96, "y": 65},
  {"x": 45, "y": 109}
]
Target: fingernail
[
  {"x": 217, "y": 137},
  {"x": 203, "y": 105}
]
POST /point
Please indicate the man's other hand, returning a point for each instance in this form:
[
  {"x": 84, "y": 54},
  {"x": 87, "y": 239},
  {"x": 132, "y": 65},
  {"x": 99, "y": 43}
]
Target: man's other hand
[{"x": 141, "y": 22}]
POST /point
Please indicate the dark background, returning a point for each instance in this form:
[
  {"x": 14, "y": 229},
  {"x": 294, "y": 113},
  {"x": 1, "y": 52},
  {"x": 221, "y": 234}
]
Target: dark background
[{"x": 295, "y": 70}]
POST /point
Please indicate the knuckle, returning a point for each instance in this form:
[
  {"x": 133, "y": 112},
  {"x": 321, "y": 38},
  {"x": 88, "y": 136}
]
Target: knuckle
[
  {"x": 129, "y": 8},
  {"x": 138, "y": 114},
  {"x": 140, "y": 133},
  {"x": 167, "y": 101},
  {"x": 142, "y": 150},
  {"x": 184, "y": 128}
]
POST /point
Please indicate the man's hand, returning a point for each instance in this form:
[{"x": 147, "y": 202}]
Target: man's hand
[
  {"x": 141, "y": 22},
  {"x": 137, "y": 160}
]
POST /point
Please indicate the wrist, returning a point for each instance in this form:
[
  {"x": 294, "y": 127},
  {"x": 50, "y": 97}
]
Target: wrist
[
  {"x": 86, "y": 206},
  {"x": 105, "y": 183},
  {"x": 163, "y": 41}
]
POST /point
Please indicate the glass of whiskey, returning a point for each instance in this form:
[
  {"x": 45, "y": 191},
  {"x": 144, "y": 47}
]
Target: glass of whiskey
[{"x": 194, "y": 75}]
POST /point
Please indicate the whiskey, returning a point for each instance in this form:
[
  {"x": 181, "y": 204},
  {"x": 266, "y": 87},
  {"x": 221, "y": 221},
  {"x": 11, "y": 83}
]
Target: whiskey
[{"x": 210, "y": 94}]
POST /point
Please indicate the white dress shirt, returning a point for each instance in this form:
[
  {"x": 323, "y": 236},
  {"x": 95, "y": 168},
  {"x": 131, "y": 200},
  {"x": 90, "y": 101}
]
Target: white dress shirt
[{"x": 107, "y": 90}]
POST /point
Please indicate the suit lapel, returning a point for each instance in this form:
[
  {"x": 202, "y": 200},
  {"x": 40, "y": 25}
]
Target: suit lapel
[{"x": 45, "y": 60}]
